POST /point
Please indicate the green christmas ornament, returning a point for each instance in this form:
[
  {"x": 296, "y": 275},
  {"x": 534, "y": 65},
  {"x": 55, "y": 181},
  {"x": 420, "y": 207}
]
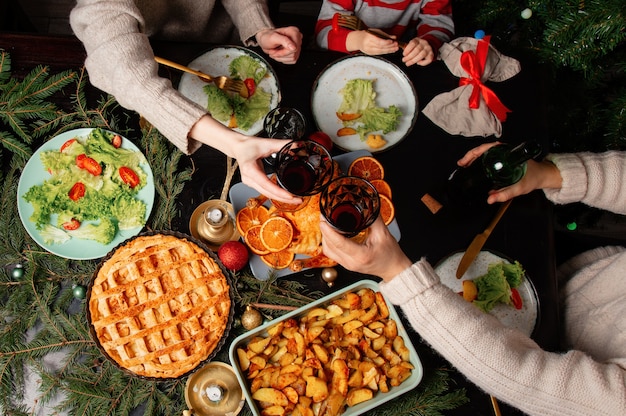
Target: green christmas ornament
[
  {"x": 79, "y": 291},
  {"x": 17, "y": 272},
  {"x": 526, "y": 14}
]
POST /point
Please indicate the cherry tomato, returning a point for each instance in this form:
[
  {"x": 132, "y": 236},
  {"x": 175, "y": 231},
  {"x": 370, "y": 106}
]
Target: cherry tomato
[
  {"x": 129, "y": 176},
  {"x": 516, "y": 299},
  {"x": 66, "y": 145},
  {"x": 250, "y": 85},
  {"x": 116, "y": 141},
  {"x": 71, "y": 224},
  {"x": 80, "y": 160},
  {"x": 92, "y": 166},
  {"x": 77, "y": 191},
  {"x": 322, "y": 138}
]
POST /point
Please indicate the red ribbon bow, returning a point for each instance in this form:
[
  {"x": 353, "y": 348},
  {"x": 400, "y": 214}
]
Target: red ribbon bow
[{"x": 474, "y": 65}]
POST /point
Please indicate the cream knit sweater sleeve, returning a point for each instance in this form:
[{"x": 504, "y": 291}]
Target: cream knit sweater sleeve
[
  {"x": 121, "y": 62},
  {"x": 503, "y": 361}
]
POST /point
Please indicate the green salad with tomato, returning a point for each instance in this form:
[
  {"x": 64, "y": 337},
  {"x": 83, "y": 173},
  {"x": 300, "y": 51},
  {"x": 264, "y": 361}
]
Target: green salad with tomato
[
  {"x": 234, "y": 110},
  {"x": 91, "y": 192}
]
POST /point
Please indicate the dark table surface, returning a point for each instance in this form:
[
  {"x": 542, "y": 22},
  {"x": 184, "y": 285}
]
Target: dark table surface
[{"x": 413, "y": 167}]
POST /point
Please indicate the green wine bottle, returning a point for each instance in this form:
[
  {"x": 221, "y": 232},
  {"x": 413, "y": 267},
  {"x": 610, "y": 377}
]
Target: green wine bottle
[{"x": 499, "y": 167}]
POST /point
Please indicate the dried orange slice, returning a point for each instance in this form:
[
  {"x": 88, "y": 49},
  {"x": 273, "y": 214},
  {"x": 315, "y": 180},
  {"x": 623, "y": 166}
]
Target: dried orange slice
[
  {"x": 253, "y": 240},
  {"x": 279, "y": 260},
  {"x": 366, "y": 167},
  {"x": 387, "y": 210},
  {"x": 382, "y": 187},
  {"x": 276, "y": 233},
  {"x": 251, "y": 216}
]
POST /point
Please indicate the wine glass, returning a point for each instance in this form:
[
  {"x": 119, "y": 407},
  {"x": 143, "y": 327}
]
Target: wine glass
[
  {"x": 303, "y": 167},
  {"x": 350, "y": 204},
  {"x": 283, "y": 123}
]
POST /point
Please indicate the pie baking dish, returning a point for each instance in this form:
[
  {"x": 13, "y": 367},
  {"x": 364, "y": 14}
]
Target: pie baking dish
[{"x": 159, "y": 305}]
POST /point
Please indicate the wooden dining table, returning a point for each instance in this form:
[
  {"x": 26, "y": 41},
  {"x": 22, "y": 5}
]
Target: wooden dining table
[{"x": 414, "y": 166}]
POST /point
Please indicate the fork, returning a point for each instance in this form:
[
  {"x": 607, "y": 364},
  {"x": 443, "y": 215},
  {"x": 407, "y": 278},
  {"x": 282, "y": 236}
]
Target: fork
[
  {"x": 222, "y": 82},
  {"x": 354, "y": 23}
]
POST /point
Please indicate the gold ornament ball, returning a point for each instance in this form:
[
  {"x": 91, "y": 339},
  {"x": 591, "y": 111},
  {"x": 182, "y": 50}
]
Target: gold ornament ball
[
  {"x": 251, "y": 318},
  {"x": 329, "y": 275}
]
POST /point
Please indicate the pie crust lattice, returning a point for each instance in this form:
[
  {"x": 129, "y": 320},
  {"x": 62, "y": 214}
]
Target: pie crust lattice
[{"x": 159, "y": 306}]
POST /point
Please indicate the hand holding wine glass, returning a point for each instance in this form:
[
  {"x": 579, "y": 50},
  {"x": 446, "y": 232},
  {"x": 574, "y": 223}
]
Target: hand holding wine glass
[
  {"x": 350, "y": 204},
  {"x": 303, "y": 167}
]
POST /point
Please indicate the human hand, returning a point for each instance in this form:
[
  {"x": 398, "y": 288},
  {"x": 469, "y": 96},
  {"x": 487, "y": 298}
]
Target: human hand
[
  {"x": 418, "y": 51},
  {"x": 539, "y": 175},
  {"x": 380, "y": 255},
  {"x": 360, "y": 40},
  {"x": 249, "y": 153},
  {"x": 282, "y": 44}
]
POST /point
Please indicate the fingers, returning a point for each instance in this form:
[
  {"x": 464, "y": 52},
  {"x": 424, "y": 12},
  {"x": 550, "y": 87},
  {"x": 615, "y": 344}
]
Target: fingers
[
  {"x": 475, "y": 153},
  {"x": 418, "y": 52}
]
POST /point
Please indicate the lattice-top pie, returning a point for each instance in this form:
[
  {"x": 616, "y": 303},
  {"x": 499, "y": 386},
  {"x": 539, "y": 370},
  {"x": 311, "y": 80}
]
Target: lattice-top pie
[{"x": 159, "y": 305}]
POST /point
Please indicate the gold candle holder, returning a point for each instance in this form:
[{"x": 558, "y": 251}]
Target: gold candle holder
[{"x": 213, "y": 222}]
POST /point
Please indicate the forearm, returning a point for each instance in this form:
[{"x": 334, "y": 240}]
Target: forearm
[
  {"x": 120, "y": 61},
  {"x": 595, "y": 179},
  {"x": 250, "y": 17},
  {"x": 504, "y": 362}
]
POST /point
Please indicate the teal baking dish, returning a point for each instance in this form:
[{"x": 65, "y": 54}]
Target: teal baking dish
[{"x": 379, "y": 398}]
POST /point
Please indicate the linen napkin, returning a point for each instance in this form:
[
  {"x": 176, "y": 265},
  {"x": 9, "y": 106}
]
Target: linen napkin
[{"x": 472, "y": 109}]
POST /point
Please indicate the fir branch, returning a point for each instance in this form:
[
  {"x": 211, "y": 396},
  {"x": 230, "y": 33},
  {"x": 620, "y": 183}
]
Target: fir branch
[{"x": 5, "y": 66}]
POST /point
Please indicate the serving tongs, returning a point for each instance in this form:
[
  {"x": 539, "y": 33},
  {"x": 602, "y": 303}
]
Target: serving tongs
[
  {"x": 354, "y": 23},
  {"x": 222, "y": 82}
]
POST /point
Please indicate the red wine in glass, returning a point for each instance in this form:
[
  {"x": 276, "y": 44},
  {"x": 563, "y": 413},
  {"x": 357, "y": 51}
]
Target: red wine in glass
[
  {"x": 298, "y": 177},
  {"x": 347, "y": 217}
]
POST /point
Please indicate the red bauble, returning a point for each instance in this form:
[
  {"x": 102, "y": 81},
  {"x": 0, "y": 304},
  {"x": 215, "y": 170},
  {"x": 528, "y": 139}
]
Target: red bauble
[
  {"x": 322, "y": 138},
  {"x": 234, "y": 255}
]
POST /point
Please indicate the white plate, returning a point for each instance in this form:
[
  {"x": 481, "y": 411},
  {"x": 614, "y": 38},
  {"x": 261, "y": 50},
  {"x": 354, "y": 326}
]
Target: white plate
[
  {"x": 362, "y": 408},
  {"x": 240, "y": 193},
  {"x": 215, "y": 62},
  {"x": 77, "y": 249},
  {"x": 392, "y": 86},
  {"x": 523, "y": 319}
]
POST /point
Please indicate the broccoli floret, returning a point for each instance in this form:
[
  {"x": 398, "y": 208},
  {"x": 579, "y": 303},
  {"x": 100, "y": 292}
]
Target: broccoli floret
[{"x": 104, "y": 232}]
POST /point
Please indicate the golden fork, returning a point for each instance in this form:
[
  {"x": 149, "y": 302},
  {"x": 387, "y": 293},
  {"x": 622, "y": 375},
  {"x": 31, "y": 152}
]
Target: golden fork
[
  {"x": 354, "y": 23},
  {"x": 222, "y": 82}
]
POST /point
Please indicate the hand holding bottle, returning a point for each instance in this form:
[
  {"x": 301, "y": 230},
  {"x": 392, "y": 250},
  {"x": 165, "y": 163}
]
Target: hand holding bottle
[{"x": 539, "y": 175}]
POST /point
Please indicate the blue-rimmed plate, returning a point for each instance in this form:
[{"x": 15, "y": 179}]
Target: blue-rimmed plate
[
  {"x": 216, "y": 62},
  {"x": 77, "y": 249}
]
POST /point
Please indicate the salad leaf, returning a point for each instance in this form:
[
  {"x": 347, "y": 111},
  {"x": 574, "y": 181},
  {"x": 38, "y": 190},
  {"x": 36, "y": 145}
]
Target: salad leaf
[
  {"x": 359, "y": 98},
  {"x": 247, "y": 112},
  {"x": 107, "y": 198},
  {"x": 495, "y": 285},
  {"x": 245, "y": 66},
  {"x": 225, "y": 107},
  {"x": 218, "y": 103},
  {"x": 103, "y": 232}
]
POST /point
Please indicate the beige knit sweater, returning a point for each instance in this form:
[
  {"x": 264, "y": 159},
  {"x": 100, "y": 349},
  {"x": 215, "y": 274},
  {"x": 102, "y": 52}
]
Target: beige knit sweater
[
  {"x": 588, "y": 379},
  {"x": 120, "y": 60}
]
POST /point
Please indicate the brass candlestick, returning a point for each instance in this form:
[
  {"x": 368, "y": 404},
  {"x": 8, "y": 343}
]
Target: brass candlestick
[
  {"x": 213, "y": 222},
  {"x": 214, "y": 390}
]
